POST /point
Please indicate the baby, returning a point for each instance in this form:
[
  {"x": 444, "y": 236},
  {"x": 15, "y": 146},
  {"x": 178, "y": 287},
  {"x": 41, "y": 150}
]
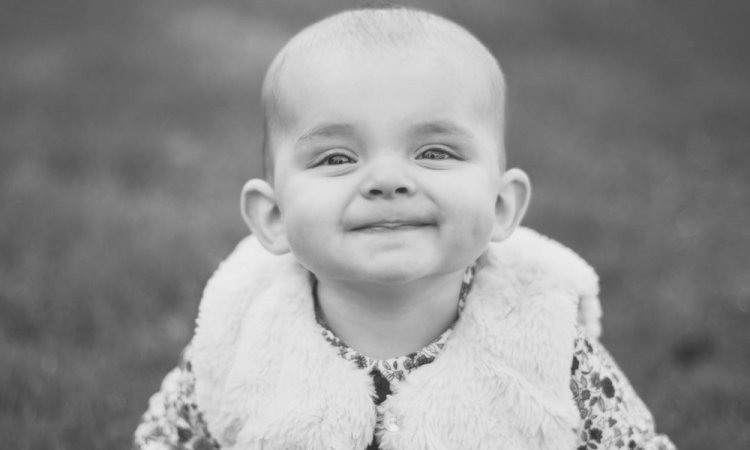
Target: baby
[{"x": 387, "y": 298}]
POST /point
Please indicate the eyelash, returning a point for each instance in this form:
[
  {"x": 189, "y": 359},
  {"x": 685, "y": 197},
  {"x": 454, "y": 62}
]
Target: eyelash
[
  {"x": 445, "y": 154},
  {"x": 326, "y": 159}
]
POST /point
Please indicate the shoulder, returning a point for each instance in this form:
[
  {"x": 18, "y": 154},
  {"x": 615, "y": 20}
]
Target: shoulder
[
  {"x": 543, "y": 264},
  {"x": 173, "y": 420},
  {"x": 247, "y": 284},
  {"x": 612, "y": 415}
]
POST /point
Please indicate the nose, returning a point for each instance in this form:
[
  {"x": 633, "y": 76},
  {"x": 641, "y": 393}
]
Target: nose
[{"x": 387, "y": 179}]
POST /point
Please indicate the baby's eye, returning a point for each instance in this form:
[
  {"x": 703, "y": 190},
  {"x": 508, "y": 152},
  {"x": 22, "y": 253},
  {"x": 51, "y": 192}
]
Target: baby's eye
[
  {"x": 335, "y": 159},
  {"x": 435, "y": 154}
]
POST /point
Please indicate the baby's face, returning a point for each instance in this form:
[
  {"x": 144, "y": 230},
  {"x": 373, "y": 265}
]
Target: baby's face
[{"x": 389, "y": 169}]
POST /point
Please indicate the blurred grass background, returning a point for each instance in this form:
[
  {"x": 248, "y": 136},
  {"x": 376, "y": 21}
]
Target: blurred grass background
[{"x": 128, "y": 128}]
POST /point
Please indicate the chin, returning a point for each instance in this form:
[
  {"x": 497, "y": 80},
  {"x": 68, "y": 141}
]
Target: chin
[
  {"x": 394, "y": 279},
  {"x": 393, "y": 274}
]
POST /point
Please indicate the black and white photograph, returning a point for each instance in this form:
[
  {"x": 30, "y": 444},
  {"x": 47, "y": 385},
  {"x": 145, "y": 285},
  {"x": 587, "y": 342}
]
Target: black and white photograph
[{"x": 331, "y": 225}]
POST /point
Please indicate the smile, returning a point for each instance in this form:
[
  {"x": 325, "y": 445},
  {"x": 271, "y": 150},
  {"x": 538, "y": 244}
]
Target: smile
[{"x": 386, "y": 226}]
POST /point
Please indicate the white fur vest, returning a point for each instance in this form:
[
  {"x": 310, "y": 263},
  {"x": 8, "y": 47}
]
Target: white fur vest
[{"x": 266, "y": 378}]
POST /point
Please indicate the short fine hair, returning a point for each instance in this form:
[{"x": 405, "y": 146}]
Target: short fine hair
[{"x": 379, "y": 28}]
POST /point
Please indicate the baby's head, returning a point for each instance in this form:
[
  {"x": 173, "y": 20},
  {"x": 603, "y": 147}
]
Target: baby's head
[
  {"x": 383, "y": 149},
  {"x": 374, "y": 35}
]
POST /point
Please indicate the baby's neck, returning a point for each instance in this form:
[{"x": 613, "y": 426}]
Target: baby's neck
[{"x": 388, "y": 321}]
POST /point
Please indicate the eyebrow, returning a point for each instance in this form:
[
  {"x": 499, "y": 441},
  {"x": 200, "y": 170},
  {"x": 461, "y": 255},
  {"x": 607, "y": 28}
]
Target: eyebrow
[
  {"x": 327, "y": 131},
  {"x": 440, "y": 127}
]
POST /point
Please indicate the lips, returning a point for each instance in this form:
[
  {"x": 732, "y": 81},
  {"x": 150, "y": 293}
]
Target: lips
[{"x": 392, "y": 225}]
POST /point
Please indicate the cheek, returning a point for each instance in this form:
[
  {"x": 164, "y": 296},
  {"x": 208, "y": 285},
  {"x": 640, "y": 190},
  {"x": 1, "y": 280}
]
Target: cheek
[
  {"x": 301, "y": 221},
  {"x": 479, "y": 231},
  {"x": 308, "y": 218},
  {"x": 475, "y": 214},
  {"x": 306, "y": 239}
]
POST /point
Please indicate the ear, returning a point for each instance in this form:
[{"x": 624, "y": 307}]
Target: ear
[
  {"x": 512, "y": 202},
  {"x": 262, "y": 214}
]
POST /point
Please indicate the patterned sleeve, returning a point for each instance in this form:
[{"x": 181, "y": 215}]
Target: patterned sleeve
[
  {"x": 173, "y": 421},
  {"x": 612, "y": 414}
]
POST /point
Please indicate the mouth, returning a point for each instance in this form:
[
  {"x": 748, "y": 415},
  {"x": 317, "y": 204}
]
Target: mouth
[{"x": 391, "y": 225}]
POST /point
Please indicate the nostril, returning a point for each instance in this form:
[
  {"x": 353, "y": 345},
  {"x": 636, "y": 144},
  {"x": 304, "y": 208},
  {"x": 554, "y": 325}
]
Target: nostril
[
  {"x": 376, "y": 192},
  {"x": 402, "y": 190}
]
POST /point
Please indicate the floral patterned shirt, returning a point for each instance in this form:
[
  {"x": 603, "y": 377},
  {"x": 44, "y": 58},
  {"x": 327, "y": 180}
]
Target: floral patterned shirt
[{"x": 612, "y": 415}]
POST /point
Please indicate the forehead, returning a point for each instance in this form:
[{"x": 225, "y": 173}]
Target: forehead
[{"x": 413, "y": 83}]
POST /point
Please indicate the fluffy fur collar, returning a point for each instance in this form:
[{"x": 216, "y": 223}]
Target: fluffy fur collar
[{"x": 266, "y": 378}]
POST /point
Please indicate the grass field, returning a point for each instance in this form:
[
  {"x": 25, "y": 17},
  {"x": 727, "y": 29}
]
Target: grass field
[{"x": 128, "y": 128}]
